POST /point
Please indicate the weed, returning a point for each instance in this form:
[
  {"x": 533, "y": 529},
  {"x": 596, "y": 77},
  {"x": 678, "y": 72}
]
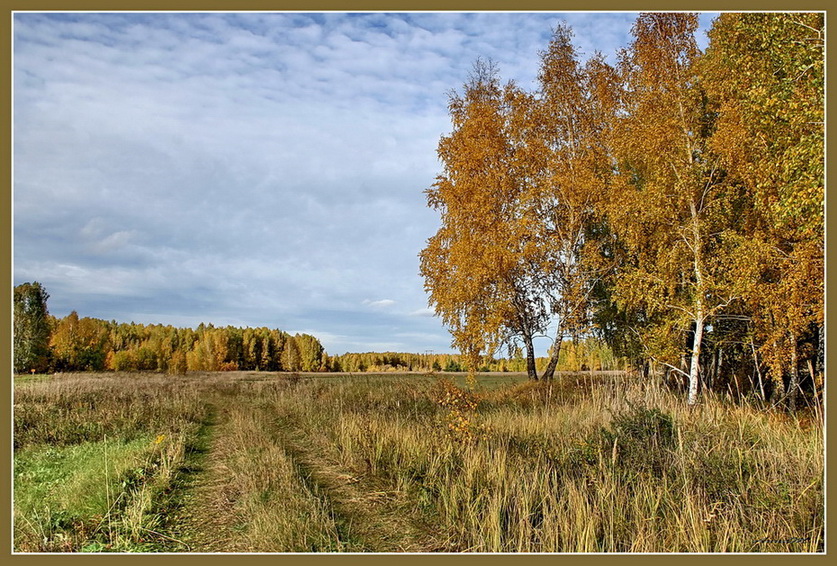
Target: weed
[{"x": 461, "y": 412}]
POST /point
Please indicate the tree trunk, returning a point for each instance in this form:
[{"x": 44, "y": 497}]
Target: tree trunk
[
  {"x": 549, "y": 372},
  {"x": 813, "y": 377},
  {"x": 758, "y": 369},
  {"x": 709, "y": 375},
  {"x": 700, "y": 315},
  {"x": 694, "y": 370},
  {"x": 793, "y": 384},
  {"x": 779, "y": 392},
  {"x": 531, "y": 369}
]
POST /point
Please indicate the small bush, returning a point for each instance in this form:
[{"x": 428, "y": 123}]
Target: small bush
[
  {"x": 723, "y": 475},
  {"x": 461, "y": 418},
  {"x": 641, "y": 440}
]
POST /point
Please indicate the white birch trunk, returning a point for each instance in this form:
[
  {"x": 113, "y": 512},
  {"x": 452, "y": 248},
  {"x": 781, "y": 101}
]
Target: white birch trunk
[
  {"x": 549, "y": 372},
  {"x": 531, "y": 369},
  {"x": 694, "y": 369},
  {"x": 793, "y": 384}
]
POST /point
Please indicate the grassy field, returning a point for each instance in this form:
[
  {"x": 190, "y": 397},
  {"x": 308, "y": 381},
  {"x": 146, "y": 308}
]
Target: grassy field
[{"x": 257, "y": 462}]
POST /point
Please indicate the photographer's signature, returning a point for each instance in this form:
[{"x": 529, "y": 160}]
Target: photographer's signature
[{"x": 791, "y": 540}]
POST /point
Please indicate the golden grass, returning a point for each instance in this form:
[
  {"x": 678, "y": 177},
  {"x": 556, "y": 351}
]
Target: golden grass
[
  {"x": 584, "y": 464},
  {"x": 543, "y": 479}
]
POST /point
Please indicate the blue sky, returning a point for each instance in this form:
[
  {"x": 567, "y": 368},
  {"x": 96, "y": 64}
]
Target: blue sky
[{"x": 252, "y": 169}]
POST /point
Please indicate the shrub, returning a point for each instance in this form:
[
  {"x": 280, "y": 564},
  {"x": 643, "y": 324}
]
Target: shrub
[
  {"x": 461, "y": 417},
  {"x": 123, "y": 361},
  {"x": 641, "y": 439}
]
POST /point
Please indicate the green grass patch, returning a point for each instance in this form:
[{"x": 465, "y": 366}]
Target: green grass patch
[
  {"x": 59, "y": 490},
  {"x": 21, "y": 378},
  {"x": 92, "y": 496}
]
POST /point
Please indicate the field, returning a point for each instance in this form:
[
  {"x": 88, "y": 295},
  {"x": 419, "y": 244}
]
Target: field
[{"x": 264, "y": 462}]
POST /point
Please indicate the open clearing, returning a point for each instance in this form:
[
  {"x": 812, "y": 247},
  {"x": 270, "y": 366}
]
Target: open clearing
[{"x": 258, "y": 462}]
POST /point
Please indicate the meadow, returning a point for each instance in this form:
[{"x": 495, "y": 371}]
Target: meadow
[{"x": 277, "y": 462}]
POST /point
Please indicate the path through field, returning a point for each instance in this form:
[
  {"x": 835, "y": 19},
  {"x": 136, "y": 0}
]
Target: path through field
[
  {"x": 221, "y": 511},
  {"x": 206, "y": 521},
  {"x": 369, "y": 514}
]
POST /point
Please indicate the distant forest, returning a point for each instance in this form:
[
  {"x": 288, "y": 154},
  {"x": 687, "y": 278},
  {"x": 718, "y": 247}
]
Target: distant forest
[
  {"x": 72, "y": 343},
  {"x": 43, "y": 342}
]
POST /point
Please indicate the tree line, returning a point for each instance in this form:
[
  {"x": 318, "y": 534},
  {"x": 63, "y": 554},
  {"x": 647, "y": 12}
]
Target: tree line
[
  {"x": 46, "y": 343},
  {"x": 671, "y": 204},
  {"x": 586, "y": 354}
]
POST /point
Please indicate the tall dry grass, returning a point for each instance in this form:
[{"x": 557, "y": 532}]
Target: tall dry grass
[
  {"x": 276, "y": 508},
  {"x": 77, "y": 408},
  {"x": 583, "y": 464},
  {"x": 611, "y": 467}
]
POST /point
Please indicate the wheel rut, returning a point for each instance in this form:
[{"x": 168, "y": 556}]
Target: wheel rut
[
  {"x": 207, "y": 520},
  {"x": 370, "y": 515}
]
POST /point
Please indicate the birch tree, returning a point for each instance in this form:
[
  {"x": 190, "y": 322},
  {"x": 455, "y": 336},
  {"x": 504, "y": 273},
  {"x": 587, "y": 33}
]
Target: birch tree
[
  {"x": 522, "y": 175},
  {"x": 666, "y": 197},
  {"x": 765, "y": 75},
  {"x": 474, "y": 273},
  {"x": 570, "y": 169}
]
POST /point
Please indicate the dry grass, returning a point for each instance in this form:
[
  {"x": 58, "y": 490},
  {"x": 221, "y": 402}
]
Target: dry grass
[
  {"x": 570, "y": 469},
  {"x": 388, "y": 463},
  {"x": 277, "y": 509}
]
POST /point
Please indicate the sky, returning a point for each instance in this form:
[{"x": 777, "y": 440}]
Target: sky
[{"x": 251, "y": 169}]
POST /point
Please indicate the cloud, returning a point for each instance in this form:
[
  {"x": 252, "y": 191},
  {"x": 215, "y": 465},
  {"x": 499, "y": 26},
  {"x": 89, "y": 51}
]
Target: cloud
[
  {"x": 425, "y": 312},
  {"x": 383, "y": 303},
  {"x": 264, "y": 168}
]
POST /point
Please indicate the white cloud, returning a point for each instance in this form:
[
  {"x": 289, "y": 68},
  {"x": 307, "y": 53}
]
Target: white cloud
[
  {"x": 261, "y": 168},
  {"x": 383, "y": 303},
  {"x": 425, "y": 312}
]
